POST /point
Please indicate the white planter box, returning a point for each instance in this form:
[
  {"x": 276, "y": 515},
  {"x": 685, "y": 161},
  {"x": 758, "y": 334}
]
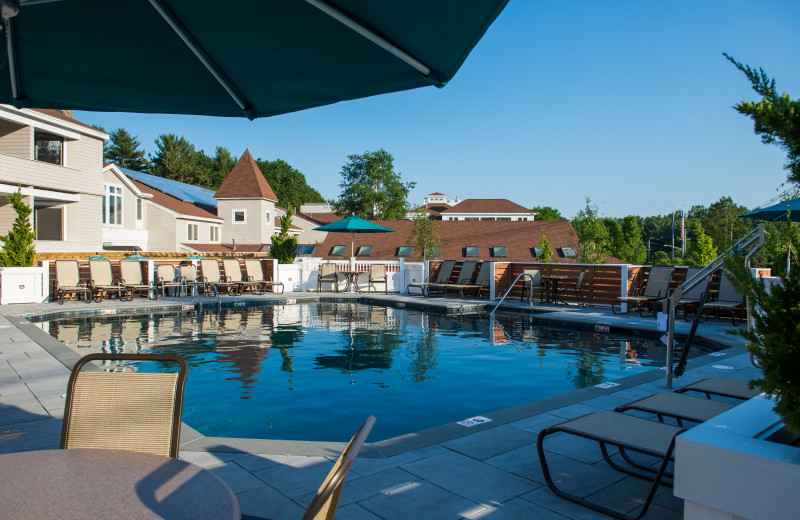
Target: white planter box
[
  {"x": 23, "y": 285},
  {"x": 726, "y": 469}
]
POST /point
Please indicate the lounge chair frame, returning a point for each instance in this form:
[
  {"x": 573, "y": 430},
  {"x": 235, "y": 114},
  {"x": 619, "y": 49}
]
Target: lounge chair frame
[
  {"x": 213, "y": 277},
  {"x": 131, "y": 278},
  {"x": 728, "y": 299},
  {"x": 68, "y": 281},
  {"x": 481, "y": 282},
  {"x": 163, "y": 282},
  {"x": 465, "y": 276},
  {"x": 722, "y": 387},
  {"x": 85, "y": 394},
  {"x": 255, "y": 273},
  {"x": 660, "y": 277},
  {"x": 102, "y": 281},
  {"x": 443, "y": 276},
  {"x": 678, "y": 406},
  {"x": 233, "y": 272}
]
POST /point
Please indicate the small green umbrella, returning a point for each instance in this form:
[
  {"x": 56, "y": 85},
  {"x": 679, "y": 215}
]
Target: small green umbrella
[
  {"x": 97, "y": 257},
  {"x": 137, "y": 256},
  {"x": 777, "y": 212},
  {"x": 353, "y": 224},
  {"x": 195, "y": 257}
]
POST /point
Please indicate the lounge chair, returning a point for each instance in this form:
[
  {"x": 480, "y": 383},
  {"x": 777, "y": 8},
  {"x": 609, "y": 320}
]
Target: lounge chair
[
  {"x": 165, "y": 278},
  {"x": 480, "y": 283},
  {"x": 678, "y": 406},
  {"x": 729, "y": 299},
  {"x": 626, "y": 433},
  {"x": 233, "y": 273},
  {"x": 68, "y": 281},
  {"x": 465, "y": 276},
  {"x": 328, "y": 273},
  {"x": 256, "y": 274},
  {"x": 188, "y": 274},
  {"x": 102, "y": 281},
  {"x": 377, "y": 274},
  {"x": 212, "y": 277},
  {"x": 573, "y": 289},
  {"x": 323, "y": 505},
  {"x": 655, "y": 288},
  {"x": 131, "y": 278},
  {"x": 134, "y": 411},
  {"x": 693, "y": 295},
  {"x": 533, "y": 284},
  {"x": 443, "y": 276},
  {"x": 723, "y": 387}
]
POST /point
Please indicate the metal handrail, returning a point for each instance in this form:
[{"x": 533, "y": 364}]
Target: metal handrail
[{"x": 530, "y": 298}]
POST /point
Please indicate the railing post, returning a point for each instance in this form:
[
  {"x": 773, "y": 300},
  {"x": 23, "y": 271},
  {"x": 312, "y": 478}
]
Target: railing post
[
  {"x": 492, "y": 281},
  {"x": 401, "y": 276},
  {"x": 623, "y": 290}
]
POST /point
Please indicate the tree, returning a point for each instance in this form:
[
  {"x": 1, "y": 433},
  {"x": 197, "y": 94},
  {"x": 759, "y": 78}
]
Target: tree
[
  {"x": 633, "y": 250},
  {"x": 284, "y": 245},
  {"x": 220, "y": 166},
  {"x": 702, "y": 250},
  {"x": 123, "y": 150},
  {"x": 424, "y": 236},
  {"x": 547, "y": 213},
  {"x": 175, "y": 159},
  {"x": 547, "y": 249},
  {"x": 18, "y": 245},
  {"x": 372, "y": 189},
  {"x": 289, "y": 184},
  {"x": 722, "y": 223},
  {"x": 776, "y": 118},
  {"x": 592, "y": 235}
]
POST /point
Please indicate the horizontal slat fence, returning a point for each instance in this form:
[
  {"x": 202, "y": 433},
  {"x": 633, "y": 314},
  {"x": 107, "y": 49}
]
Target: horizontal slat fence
[{"x": 601, "y": 284}]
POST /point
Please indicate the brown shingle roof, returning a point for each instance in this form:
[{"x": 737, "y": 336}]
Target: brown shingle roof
[
  {"x": 433, "y": 209},
  {"x": 518, "y": 237},
  {"x": 487, "y": 206},
  {"x": 245, "y": 182},
  {"x": 225, "y": 248},
  {"x": 173, "y": 204},
  {"x": 58, "y": 115}
]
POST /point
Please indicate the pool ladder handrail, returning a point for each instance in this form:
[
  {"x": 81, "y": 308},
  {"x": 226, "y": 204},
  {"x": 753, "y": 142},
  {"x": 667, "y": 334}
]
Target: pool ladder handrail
[{"x": 530, "y": 295}]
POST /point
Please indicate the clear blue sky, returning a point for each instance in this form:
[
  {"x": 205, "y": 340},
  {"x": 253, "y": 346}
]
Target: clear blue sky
[{"x": 628, "y": 102}]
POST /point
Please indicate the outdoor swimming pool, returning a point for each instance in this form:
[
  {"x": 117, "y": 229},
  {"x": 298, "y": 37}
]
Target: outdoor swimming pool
[{"x": 315, "y": 371}]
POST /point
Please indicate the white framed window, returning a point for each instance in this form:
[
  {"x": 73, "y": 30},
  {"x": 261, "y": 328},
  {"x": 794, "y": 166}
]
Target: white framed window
[
  {"x": 267, "y": 219},
  {"x": 213, "y": 233},
  {"x": 48, "y": 147},
  {"x": 239, "y": 216},
  {"x": 112, "y": 205},
  {"x": 138, "y": 209},
  {"x": 191, "y": 232}
]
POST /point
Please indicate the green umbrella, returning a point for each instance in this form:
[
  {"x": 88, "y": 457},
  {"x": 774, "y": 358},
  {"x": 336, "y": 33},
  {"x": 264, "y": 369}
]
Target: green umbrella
[
  {"x": 353, "y": 224},
  {"x": 195, "y": 257},
  {"x": 97, "y": 257},
  {"x": 251, "y": 58},
  {"x": 777, "y": 212},
  {"x": 135, "y": 257}
]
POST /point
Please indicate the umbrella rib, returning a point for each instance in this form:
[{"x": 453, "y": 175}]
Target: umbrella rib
[
  {"x": 205, "y": 59},
  {"x": 380, "y": 41},
  {"x": 12, "y": 58}
]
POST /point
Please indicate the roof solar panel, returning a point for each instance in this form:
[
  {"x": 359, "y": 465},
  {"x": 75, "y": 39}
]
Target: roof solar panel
[{"x": 180, "y": 190}]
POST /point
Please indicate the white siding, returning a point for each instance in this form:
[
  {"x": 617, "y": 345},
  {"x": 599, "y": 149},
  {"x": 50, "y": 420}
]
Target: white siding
[{"x": 162, "y": 231}]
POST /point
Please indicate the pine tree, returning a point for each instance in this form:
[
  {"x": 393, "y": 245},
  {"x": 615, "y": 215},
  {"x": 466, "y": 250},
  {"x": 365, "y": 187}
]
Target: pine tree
[
  {"x": 424, "y": 236},
  {"x": 124, "y": 151},
  {"x": 18, "y": 245},
  {"x": 703, "y": 250},
  {"x": 547, "y": 249},
  {"x": 284, "y": 245}
]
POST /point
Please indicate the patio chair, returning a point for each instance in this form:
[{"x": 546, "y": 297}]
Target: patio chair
[
  {"x": 443, "y": 276},
  {"x": 68, "y": 281},
  {"x": 323, "y": 505},
  {"x": 533, "y": 284},
  {"x": 233, "y": 272},
  {"x": 723, "y": 387},
  {"x": 573, "y": 289},
  {"x": 655, "y": 288},
  {"x": 102, "y": 281},
  {"x": 256, "y": 274},
  {"x": 165, "y": 278},
  {"x": 188, "y": 274},
  {"x": 480, "y": 283},
  {"x": 131, "y": 278},
  {"x": 465, "y": 276},
  {"x": 212, "y": 277},
  {"x": 678, "y": 406},
  {"x": 627, "y": 434},
  {"x": 124, "y": 410},
  {"x": 328, "y": 273},
  {"x": 377, "y": 274},
  {"x": 729, "y": 299}
]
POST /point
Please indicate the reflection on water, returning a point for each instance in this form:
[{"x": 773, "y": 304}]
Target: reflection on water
[{"x": 283, "y": 371}]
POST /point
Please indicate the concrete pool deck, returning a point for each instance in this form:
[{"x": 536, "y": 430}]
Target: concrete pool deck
[{"x": 488, "y": 471}]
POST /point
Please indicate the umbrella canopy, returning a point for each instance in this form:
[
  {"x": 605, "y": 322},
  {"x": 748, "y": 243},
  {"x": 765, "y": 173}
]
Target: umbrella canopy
[
  {"x": 135, "y": 257},
  {"x": 353, "y": 224},
  {"x": 195, "y": 257},
  {"x": 777, "y": 211},
  {"x": 97, "y": 257},
  {"x": 251, "y": 58}
]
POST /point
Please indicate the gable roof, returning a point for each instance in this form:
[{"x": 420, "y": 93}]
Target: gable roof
[
  {"x": 487, "y": 206},
  {"x": 176, "y": 189},
  {"x": 433, "y": 208},
  {"x": 246, "y": 182},
  {"x": 174, "y": 204}
]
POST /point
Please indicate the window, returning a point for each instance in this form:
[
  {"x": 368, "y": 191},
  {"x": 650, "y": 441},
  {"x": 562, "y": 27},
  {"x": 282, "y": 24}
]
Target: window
[
  {"x": 138, "y": 209},
  {"x": 404, "y": 251},
  {"x": 471, "y": 251},
  {"x": 364, "y": 251},
  {"x": 213, "y": 233},
  {"x": 112, "y": 205},
  {"x": 338, "y": 250},
  {"x": 568, "y": 252},
  {"x": 305, "y": 250},
  {"x": 499, "y": 251},
  {"x": 49, "y": 223},
  {"x": 48, "y": 147},
  {"x": 239, "y": 216},
  {"x": 267, "y": 219},
  {"x": 538, "y": 251},
  {"x": 503, "y": 218},
  {"x": 191, "y": 232}
]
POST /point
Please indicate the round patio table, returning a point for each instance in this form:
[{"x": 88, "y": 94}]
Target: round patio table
[
  {"x": 84, "y": 483},
  {"x": 352, "y": 280}
]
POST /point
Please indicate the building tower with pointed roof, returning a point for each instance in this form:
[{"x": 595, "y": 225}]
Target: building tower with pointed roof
[{"x": 246, "y": 203}]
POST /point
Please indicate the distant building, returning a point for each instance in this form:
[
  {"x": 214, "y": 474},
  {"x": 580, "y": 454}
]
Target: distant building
[{"x": 488, "y": 209}]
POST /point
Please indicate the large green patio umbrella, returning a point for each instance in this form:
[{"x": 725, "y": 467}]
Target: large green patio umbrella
[
  {"x": 251, "y": 58},
  {"x": 353, "y": 224},
  {"x": 777, "y": 212}
]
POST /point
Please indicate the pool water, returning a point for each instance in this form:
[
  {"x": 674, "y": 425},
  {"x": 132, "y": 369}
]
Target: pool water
[{"x": 316, "y": 371}]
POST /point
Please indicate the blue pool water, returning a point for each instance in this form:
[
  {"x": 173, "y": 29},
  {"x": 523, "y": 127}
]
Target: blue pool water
[{"x": 316, "y": 371}]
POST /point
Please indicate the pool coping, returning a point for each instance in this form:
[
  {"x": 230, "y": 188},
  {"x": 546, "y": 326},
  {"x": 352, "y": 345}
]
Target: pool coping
[{"x": 192, "y": 440}]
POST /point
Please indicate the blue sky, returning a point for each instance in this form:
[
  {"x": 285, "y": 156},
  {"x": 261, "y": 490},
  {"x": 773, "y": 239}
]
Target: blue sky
[{"x": 627, "y": 102}]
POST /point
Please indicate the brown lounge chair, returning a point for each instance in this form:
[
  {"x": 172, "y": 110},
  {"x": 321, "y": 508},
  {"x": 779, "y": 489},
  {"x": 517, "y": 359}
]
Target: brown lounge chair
[
  {"x": 655, "y": 288},
  {"x": 723, "y": 387},
  {"x": 465, "y": 276},
  {"x": 443, "y": 276},
  {"x": 481, "y": 282},
  {"x": 256, "y": 274},
  {"x": 102, "y": 281},
  {"x": 68, "y": 281},
  {"x": 233, "y": 273},
  {"x": 728, "y": 299}
]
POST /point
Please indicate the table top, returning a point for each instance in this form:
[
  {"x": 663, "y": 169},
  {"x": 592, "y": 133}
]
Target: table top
[{"x": 83, "y": 483}]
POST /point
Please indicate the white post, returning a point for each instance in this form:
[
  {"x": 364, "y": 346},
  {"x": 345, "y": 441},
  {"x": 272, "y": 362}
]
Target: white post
[
  {"x": 401, "y": 276},
  {"x": 623, "y": 290},
  {"x": 492, "y": 281},
  {"x": 151, "y": 280}
]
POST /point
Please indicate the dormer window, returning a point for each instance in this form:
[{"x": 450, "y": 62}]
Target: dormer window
[
  {"x": 364, "y": 251},
  {"x": 48, "y": 147},
  {"x": 338, "y": 250}
]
